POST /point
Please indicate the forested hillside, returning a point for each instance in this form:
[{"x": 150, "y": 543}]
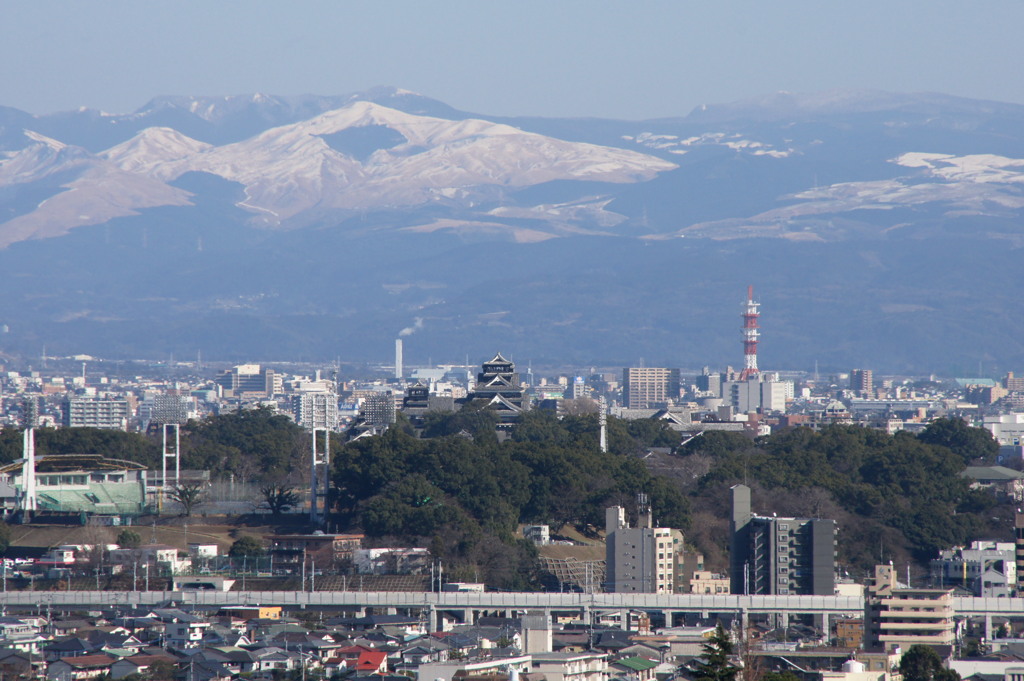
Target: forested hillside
[
  {"x": 895, "y": 497},
  {"x": 462, "y": 493}
]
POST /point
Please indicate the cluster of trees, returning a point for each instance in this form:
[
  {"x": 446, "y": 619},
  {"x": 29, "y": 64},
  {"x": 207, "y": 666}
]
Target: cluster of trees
[
  {"x": 115, "y": 444},
  {"x": 257, "y": 445},
  {"x": 895, "y": 496},
  {"x": 465, "y": 493}
]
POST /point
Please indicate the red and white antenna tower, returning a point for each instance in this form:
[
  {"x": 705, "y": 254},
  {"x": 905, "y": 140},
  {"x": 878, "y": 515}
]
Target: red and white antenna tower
[{"x": 750, "y": 336}]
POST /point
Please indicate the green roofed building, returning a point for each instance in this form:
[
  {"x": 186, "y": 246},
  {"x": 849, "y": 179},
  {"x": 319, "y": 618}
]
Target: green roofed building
[{"x": 88, "y": 484}]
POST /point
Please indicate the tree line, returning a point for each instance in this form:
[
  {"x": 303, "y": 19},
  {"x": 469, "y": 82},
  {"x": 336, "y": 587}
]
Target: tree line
[
  {"x": 462, "y": 492},
  {"x": 895, "y": 497}
]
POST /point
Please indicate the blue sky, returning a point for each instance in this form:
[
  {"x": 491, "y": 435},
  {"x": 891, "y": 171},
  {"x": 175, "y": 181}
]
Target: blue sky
[{"x": 525, "y": 57}]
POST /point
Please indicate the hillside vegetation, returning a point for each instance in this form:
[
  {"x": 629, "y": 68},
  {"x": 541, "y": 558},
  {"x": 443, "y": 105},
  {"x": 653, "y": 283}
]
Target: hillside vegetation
[
  {"x": 895, "y": 497},
  {"x": 462, "y": 493}
]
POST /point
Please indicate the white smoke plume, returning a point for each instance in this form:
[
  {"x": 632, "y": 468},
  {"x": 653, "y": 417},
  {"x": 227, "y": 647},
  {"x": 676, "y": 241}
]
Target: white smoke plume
[{"x": 409, "y": 330}]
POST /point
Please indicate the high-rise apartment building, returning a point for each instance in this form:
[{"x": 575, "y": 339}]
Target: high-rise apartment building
[
  {"x": 639, "y": 559},
  {"x": 862, "y": 382},
  {"x": 649, "y": 387},
  {"x": 785, "y": 556},
  {"x": 87, "y": 412}
]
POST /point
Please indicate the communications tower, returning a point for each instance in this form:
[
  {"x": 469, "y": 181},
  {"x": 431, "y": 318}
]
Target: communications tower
[{"x": 750, "y": 335}]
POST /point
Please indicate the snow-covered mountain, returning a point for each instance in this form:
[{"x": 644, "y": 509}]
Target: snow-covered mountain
[
  {"x": 883, "y": 229},
  {"x": 360, "y": 157}
]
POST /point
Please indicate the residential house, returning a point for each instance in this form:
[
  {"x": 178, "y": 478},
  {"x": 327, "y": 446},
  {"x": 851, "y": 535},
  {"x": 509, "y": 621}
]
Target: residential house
[
  {"x": 422, "y": 651},
  {"x": 73, "y": 646},
  {"x": 372, "y": 662},
  {"x": 138, "y": 664},
  {"x": 634, "y": 668},
  {"x": 1005, "y": 482},
  {"x": 647, "y": 651},
  {"x": 182, "y": 629},
  {"x": 79, "y": 668},
  {"x": 273, "y": 659},
  {"x": 21, "y": 633},
  {"x": 16, "y": 664},
  {"x": 204, "y": 670}
]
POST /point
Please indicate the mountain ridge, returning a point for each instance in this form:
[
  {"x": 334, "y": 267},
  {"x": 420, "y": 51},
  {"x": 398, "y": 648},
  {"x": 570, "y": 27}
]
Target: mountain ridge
[{"x": 876, "y": 232}]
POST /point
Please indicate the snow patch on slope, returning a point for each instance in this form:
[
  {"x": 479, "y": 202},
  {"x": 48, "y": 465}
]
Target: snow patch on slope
[
  {"x": 970, "y": 168},
  {"x": 676, "y": 145}
]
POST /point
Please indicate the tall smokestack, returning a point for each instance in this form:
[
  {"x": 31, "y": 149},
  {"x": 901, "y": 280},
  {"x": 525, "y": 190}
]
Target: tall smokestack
[
  {"x": 750, "y": 336},
  {"x": 398, "y": 358}
]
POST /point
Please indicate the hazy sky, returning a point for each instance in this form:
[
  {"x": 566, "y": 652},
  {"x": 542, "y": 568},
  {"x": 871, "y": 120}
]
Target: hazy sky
[{"x": 547, "y": 57}]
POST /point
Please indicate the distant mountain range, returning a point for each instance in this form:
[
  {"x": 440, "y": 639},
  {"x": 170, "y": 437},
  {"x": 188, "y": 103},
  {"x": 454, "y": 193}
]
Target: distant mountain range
[{"x": 880, "y": 230}]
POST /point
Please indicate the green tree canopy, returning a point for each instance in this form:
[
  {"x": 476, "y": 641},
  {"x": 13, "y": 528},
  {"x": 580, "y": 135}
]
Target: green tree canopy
[
  {"x": 970, "y": 444},
  {"x": 889, "y": 492},
  {"x": 463, "y": 491},
  {"x": 128, "y": 539},
  {"x": 247, "y": 546},
  {"x": 255, "y": 444},
  {"x": 715, "y": 663},
  {"x": 922, "y": 663}
]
